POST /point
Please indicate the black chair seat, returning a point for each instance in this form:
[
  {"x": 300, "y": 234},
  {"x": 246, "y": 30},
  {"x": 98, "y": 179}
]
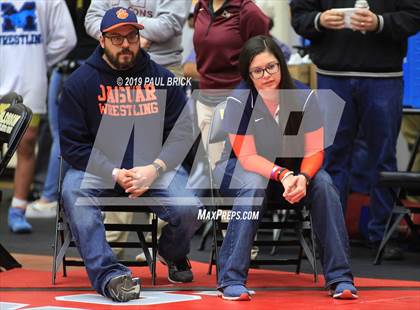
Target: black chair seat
[{"x": 408, "y": 180}]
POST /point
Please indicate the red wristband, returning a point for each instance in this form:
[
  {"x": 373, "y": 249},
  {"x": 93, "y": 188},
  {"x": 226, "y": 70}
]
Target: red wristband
[{"x": 282, "y": 173}]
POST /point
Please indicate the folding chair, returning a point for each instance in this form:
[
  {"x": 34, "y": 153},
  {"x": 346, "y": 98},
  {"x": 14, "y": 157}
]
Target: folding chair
[
  {"x": 297, "y": 218},
  {"x": 14, "y": 120},
  {"x": 63, "y": 239},
  {"x": 401, "y": 183}
]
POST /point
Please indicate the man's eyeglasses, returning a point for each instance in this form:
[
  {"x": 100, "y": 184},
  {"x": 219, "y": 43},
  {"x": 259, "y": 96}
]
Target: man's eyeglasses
[
  {"x": 132, "y": 37},
  {"x": 271, "y": 68}
]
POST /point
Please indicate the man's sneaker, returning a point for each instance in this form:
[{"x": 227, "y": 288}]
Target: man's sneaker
[
  {"x": 123, "y": 288},
  {"x": 344, "y": 290},
  {"x": 40, "y": 209},
  {"x": 178, "y": 272},
  {"x": 236, "y": 293},
  {"x": 17, "y": 221}
]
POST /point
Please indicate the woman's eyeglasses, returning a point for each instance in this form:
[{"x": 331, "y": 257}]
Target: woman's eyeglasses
[
  {"x": 271, "y": 69},
  {"x": 132, "y": 37}
]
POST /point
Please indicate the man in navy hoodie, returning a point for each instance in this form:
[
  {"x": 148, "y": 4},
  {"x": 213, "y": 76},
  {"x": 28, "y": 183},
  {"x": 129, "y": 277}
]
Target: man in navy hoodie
[{"x": 124, "y": 131}]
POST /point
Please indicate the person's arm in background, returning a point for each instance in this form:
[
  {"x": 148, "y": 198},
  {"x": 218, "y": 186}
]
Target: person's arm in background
[
  {"x": 309, "y": 19},
  {"x": 168, "y": 22},
  {"x": 190, "y": 67},
  {"x": 94, "y": 16},
  {"x": 61, "y": 36},
  {"x": 305, "y": 17},
  {"x": 397, "y": 26},
  {"x": 253, "y": 21},
  {"x": 190, "y": 70}
]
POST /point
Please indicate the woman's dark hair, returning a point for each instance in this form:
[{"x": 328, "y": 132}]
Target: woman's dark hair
[
  {"x": 257, "y": 45},
  {"x": 252, "y": 48}
]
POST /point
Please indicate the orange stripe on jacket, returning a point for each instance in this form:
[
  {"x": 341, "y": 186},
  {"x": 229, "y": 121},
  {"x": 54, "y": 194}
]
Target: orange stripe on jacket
[
  {"x": 314, "y": 152},
  {"x": 245, "y": 150}
]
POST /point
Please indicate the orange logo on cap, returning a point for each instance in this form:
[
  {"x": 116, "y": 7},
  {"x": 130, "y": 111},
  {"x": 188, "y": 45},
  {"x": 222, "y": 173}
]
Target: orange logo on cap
[{"x": 122, "y": 14}]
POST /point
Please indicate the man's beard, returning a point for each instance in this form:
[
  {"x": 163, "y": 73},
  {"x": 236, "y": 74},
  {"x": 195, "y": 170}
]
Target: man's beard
[{"x": 114, "y": 60}]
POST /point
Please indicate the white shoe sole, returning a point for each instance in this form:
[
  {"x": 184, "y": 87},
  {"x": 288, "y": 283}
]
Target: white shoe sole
[
  {"x": 346, "y": 294},
  {"x": 242, "y": 297}
]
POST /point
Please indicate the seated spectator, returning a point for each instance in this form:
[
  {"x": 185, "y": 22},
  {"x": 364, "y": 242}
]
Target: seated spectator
[
  {"x": 161, "y": 38},
  {"x": 255, "y": 169},
  {"x": 110, "y": 159}
]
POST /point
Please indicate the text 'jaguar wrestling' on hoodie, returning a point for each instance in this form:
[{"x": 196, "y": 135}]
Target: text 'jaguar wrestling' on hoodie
[{"x": 119, "y": 119}]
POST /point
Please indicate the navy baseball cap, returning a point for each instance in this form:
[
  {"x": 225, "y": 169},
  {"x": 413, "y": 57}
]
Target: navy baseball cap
[{"x": 117, "y": 17}]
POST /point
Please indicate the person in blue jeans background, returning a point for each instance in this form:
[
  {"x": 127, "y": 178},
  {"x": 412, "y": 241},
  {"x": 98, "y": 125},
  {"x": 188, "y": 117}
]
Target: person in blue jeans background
[
  {"x": 49, "y": 20},
  {"x": 251, "y": 168},
  {"x": 362, "y": 63},
  {"x": 111, "y": 134},
  {"x": 46, "y": 206}
]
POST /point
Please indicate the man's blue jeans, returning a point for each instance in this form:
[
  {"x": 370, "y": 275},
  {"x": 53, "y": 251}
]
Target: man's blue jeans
[
  {"x": 327, "y": 217},
  {"x": 374, "y": 106},
  {"x": 88, "y": 229}
]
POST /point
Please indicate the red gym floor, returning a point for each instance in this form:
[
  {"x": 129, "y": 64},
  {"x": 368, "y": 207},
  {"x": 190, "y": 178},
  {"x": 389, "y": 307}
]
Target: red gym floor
[{"x": 32, "y": 289}]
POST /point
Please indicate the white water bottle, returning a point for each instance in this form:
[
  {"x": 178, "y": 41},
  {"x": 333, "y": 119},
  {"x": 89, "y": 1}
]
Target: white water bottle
[{"x": 362, "y": 4}]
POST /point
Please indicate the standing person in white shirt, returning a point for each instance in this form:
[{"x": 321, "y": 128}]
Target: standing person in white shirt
[
  {"x": 33, "y": 37},
  {"x": 163, "y": 22}
]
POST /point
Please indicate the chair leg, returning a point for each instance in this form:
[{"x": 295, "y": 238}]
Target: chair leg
[
  {"x": 211, "y": 259},
  {"x": 313, "y": 243},
  {"x": 64, "y": 267},
  {"x": 213, "y": 247},
  {"x": 309, "y": 255},
  {"x": 61, "y": 255},
  {"x": 216, "y": 252},
  {"x": 66, "y": 238},
  {"x": 388, "y": 232},
  {"x": 204, "y": 235},
  {"x": 154, "y": 247},
  {"x": 299, "y": 263},
  {"x": 276, "y": 232},
  {"x": 146, "y": 252},
  {"x": 55, "y": 246}
]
